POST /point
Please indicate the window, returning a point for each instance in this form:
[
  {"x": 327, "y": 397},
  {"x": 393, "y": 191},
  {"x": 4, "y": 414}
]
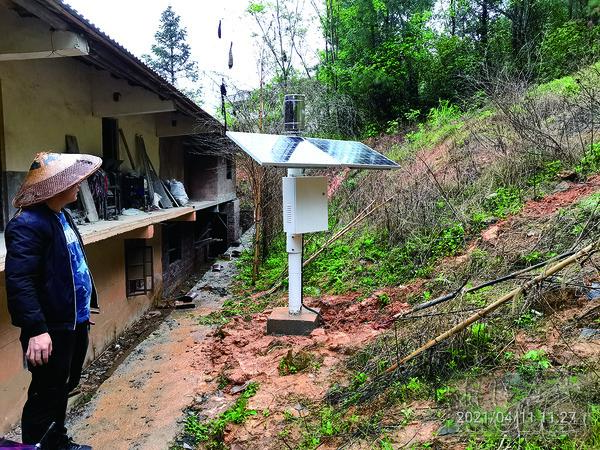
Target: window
[
  {"x": 139, "y": 268},
  {"x": 173, "y": 243}
]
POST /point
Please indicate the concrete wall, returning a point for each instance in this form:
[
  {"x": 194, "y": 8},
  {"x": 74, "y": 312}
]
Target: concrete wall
[
  {"x": 14, "y": 380},
  {"x": 174, "y": 273},
  {"x": 117, "y": 311},
  {"x": 232, "y": 210},
  {"x": 172, "y": 163},
  {"x": 33, "y": 34},
  {"x": 45, "y": 99},
  {"x": 42, "y": 101},
  {"x": 107, "y": 264},
  {"x": 201, "y": 177},
  {"x": 145, "y": 126},
  {"x": 226, "y": 186},
  {"x": 206, "y": 177}
]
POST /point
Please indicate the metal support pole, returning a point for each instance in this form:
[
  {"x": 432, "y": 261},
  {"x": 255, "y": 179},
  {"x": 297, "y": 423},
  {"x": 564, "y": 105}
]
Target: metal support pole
[{"x": 294, "y": 250}]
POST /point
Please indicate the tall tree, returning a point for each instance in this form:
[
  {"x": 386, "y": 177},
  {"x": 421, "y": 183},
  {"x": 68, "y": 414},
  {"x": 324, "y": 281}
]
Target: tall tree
[
  {"x": 171, "y": 55},
  {"x": 282, "y": 31}
]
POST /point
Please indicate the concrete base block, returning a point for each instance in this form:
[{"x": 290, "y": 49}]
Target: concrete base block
[{"x": 282, "y": 322}]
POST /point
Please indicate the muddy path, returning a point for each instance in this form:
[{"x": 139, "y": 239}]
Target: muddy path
[{"x": 141, "y": 404}]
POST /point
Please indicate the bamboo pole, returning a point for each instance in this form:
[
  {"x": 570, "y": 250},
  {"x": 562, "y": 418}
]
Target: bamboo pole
[{"x": 495, "y": 305}]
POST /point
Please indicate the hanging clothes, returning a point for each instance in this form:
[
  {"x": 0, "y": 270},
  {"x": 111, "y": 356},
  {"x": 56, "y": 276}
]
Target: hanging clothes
[
  {"x": 219, "y": 29},
  {"x": 230, "y": 63}
]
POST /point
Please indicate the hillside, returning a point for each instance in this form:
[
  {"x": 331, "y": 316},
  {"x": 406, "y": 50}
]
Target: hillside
[{"x": 481, "y": 194}]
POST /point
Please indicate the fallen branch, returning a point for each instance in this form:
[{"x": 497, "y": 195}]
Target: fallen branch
[
  {"x": 583, "y": 253},
  {"x": 510, "y": 276}
]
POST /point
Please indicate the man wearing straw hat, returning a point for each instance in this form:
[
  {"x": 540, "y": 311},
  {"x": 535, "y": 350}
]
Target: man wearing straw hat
[{"x": 50, "y": 291}]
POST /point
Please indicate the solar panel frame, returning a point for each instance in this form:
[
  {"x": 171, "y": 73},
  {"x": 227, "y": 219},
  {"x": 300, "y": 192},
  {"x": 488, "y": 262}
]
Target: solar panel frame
[{"x": 284, "y": 151}]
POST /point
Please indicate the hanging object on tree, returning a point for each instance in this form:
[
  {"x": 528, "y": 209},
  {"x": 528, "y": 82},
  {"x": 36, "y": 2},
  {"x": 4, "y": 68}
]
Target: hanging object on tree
[
  {"x": 219, "y": 29},
  {"x": 223, "y": 94},
  {"x": 230, "y": 63}
]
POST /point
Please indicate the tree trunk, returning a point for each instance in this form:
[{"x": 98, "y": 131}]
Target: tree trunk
[
  {"x": 483, "y": 29},
  {"x": 257, "y": 194},
  {"x": 453, "y": 17}
]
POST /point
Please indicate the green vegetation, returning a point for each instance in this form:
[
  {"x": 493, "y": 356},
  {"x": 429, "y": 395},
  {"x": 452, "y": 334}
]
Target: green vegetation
[
  {"x": 211, "y": 432},
  {"x": 441, "y": 122},
  {"x": 293, "y": 363},
  {"x": 505, "y": 201},
  {"x": 440, "y": 53},
  {"x": 243, "y": 305},
  {"x": 533, "y": 363},
  {"x": 520, "y": 146},
  {"x": 590, "y": 163}
]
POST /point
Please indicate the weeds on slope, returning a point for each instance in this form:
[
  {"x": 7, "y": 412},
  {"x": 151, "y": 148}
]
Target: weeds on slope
[{"x": 211, "y": 432}]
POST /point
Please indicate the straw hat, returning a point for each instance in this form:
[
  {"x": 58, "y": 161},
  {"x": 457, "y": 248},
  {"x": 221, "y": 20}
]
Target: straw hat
[{"x": 53, "y": 173}]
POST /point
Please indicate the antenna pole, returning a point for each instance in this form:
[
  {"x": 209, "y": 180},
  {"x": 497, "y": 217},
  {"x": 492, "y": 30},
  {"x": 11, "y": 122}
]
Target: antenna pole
[
  {"x": 293, "y": 124},
  {"x": 294, "y": 251},
  {"x": 294, "y": 319}
]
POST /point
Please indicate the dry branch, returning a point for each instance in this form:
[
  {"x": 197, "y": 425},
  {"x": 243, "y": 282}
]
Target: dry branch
[
  {"x": 461, "y": 290},
  {"x": 581, "y": 254}
]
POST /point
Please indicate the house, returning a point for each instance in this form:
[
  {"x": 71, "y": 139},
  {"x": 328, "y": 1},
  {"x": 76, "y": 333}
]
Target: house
[{"x": 61, "y": 76}]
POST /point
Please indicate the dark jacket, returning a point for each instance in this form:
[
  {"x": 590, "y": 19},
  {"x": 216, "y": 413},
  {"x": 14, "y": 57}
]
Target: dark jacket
[{"x": 39, "y": 279}]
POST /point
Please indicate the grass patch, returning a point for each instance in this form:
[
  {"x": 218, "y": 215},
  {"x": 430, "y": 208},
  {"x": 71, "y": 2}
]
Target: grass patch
[
  {"x": 564, "y": 87},
  {"x": 301, "y": 361},
  {"x": 212, "y": 432},
  {"x": 441, "y": 122},
  {"x": 244, "y": 307}
]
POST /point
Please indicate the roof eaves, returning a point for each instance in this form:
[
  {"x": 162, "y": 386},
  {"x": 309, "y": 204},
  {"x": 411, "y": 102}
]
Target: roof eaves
[{"x": 161, "y": 86}]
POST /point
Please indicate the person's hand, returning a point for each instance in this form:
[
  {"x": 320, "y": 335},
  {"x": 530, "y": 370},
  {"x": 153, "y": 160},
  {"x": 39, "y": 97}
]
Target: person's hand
[{"x": 39, "y": 349}]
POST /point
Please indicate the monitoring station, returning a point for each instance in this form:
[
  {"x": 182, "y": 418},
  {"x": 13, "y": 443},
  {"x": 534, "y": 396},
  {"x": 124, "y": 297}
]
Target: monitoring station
[{"x": 304, "y": 197}]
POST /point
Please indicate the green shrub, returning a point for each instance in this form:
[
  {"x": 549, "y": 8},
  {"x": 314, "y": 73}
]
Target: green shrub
[
  {"x": 212, "y": 431},
  {"x": 590, "y": 162},
  {"x": 441, "y": 122},
  {"x": 533, "y": 363},
  {"x": 567, "y": 47},
  {"x": 505, "y": 201}
]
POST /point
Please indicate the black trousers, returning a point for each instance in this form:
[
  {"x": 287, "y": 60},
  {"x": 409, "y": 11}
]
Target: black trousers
[{"x": 51, "y": 383}]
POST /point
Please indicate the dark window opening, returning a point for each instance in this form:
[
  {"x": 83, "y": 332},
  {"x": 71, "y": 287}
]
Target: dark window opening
[
  {"x": 139, "y": 268},
  {"x": 110, "y": 138},
  {"x": 229, "y": 172},
  {"x": 173, "y": 243}
]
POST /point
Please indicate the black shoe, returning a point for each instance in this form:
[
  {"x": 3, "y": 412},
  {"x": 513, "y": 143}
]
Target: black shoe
[{"x": 68, "y": 444}]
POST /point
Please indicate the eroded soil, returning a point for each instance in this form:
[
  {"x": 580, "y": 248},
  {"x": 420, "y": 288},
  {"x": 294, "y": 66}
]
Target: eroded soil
[{"x": 187, "y": 365}]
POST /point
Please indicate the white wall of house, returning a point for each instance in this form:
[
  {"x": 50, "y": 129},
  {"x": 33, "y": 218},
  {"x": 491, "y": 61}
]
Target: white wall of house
[
  {"x": 42, "y": 101},
  {"x": 145, "y": 126},
  {"x": 45, "y": 99}
]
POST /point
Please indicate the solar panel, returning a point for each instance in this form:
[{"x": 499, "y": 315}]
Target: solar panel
[{"x": 300, "y": 152}]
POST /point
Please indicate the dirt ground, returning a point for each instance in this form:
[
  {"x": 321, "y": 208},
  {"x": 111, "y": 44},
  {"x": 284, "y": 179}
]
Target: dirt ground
[
  {"x": 141, "y": 404},
  {"x": 183, "y": 364}
]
